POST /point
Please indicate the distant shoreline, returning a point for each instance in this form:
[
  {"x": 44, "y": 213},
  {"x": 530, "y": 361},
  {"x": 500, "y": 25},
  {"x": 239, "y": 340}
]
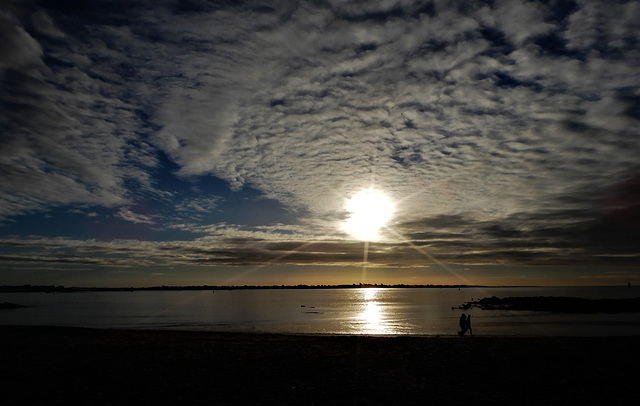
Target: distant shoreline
[
  {"x": 52, "y": 289},
  {"x": 64, "y": 289}
]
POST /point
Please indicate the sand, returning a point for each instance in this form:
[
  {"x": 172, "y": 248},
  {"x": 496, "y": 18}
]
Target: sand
[{"x": 56, "y": 365}]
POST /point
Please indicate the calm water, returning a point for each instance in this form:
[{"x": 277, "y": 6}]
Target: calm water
[{"x": 334, "y": 311}]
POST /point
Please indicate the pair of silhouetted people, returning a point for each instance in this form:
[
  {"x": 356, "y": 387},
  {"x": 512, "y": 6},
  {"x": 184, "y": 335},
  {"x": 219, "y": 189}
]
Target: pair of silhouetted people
[{"x": 465, "y": 324}]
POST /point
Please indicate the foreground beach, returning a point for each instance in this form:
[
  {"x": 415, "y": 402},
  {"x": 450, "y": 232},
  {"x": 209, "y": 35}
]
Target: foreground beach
[{"x": 60, "y": 365}]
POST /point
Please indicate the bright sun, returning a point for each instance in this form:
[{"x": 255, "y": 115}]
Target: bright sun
[{"x": 369, "y": 211}]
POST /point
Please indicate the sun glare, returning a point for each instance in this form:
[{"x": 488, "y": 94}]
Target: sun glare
[{"x": 369, "y": 211}]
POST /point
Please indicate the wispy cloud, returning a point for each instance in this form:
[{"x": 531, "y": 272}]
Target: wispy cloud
[{"x": 128, "y": 215}]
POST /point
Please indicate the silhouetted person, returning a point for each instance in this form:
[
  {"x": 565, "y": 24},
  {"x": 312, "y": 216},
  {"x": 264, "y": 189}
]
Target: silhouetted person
[
  {"x": 463, "y": 325},
  {"x": 468, "y": 325}
]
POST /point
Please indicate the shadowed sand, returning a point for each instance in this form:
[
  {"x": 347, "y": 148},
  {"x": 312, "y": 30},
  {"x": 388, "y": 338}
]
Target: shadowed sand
[{"x": 57, "y": 365}]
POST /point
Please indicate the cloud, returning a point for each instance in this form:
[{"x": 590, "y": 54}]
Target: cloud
[
  {"x": 128, "y": 215},
  {"x": 195, "y": 209},
  {"x": 519, "y": 20},
  {"x": 69, "y": 131},
  {"x": 602, "y": 28},
  {"x": 569, "y": 237},
  {"x": 344, "y": 93},
  {"x": 19, "y": 49},
  {"x": 479, "y": 120}
]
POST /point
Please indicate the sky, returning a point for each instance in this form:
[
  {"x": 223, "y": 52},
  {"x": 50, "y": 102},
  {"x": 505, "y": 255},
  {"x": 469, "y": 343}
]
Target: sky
[{"x": 158, "y": 142}]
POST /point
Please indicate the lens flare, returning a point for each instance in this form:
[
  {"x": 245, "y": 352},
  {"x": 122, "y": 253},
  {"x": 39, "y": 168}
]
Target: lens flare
[{"x": 369, "y": 211}]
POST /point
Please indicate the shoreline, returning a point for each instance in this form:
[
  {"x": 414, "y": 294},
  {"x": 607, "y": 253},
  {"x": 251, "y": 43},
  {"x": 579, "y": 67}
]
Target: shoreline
[
  {"x": 71, "y": 289},
  {"x": 51, "y": 365},
  {"x": 28, "y": 288}
]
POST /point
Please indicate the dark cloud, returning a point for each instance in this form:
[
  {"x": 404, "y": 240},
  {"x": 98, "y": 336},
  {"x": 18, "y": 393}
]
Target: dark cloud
[{"x": 68, "y": 133}]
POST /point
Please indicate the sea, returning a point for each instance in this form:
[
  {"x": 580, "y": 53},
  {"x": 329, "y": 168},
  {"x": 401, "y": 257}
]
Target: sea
[{"x": 370, "y": 311}]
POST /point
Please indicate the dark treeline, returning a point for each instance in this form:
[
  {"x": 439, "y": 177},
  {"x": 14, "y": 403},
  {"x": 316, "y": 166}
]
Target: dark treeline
[{"x": 53, "y": 289}]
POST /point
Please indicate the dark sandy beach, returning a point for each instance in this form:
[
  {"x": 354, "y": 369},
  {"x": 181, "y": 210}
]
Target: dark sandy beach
[{"x": 51, "y": 365}]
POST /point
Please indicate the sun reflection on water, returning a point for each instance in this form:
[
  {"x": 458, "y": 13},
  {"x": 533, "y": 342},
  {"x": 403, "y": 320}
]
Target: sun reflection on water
[{"x": 373, "y": 318}]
